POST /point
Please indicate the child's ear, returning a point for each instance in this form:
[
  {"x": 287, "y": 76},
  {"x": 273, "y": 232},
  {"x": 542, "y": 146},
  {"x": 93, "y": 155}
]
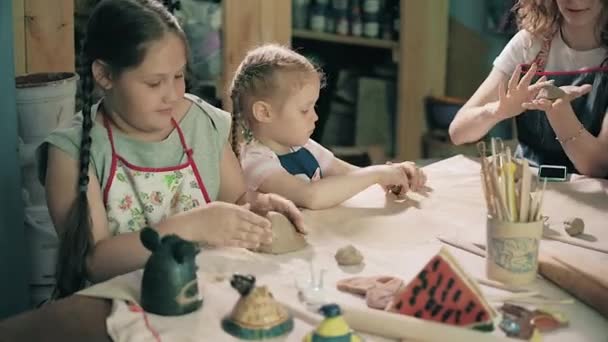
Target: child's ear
[
  {"x": 101, "y": 74},
  {"x": 262, "y": 111}
]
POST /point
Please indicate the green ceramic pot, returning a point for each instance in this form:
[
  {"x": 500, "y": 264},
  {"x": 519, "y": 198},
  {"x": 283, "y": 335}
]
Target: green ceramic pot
[{"x": 169, "y": 286}]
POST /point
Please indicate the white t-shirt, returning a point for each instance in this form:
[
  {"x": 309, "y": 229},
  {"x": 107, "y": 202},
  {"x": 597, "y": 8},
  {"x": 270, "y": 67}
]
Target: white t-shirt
[
  {"x": 259, "y": 162},
  {"x": 523, "y": 49}
]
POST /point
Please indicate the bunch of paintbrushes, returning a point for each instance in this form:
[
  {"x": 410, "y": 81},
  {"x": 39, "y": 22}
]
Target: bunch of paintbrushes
[{"x": 511, "y": 192}]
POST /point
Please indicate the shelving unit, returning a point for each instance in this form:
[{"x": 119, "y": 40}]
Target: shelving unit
[
  {"x": 342, "y": 39},
  {"x": 421, "y": 53}
]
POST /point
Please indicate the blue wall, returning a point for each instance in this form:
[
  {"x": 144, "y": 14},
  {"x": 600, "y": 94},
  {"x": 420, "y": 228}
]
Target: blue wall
[
  {"x": 14, "y": 296},
  {"x": 472, "y": 13}
]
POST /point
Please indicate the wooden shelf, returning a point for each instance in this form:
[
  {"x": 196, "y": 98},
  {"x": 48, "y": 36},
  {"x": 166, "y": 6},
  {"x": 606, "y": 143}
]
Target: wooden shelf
[{"x": 350, "y": 40}]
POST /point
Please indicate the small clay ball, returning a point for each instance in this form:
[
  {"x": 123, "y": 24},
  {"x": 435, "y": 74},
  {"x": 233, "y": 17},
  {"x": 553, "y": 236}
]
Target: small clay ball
[
  {"x": 551, "y": 92},
  {"x": 349, "y": 256},
  {"x": 574, "y": 226}
]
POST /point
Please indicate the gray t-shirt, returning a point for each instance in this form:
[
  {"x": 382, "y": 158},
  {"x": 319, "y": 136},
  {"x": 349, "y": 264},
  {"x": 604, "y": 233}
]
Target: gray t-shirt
[{"x": 206, "y": 129}]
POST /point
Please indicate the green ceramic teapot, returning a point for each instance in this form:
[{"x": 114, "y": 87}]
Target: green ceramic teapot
[{"x": 169, "y": 286}]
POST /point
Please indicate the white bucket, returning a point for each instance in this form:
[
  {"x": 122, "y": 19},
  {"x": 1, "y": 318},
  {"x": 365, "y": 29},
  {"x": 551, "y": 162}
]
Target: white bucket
[
  {"x": 43, "y": 245},
  {"x": 45, "y": 101}
]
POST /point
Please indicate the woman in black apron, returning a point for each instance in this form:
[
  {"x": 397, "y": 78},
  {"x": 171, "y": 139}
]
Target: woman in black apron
[
  {"x": 548, "y": 129},
  {"x": 571, "y": 131}
]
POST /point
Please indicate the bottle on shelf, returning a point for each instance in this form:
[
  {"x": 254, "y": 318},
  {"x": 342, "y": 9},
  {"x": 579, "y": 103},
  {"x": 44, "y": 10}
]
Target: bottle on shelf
[
  {"x": 299, "y": 13},
  {"x": 395, "y": 9},
  {"x": 318, "y": 16},
  {"x": 356, "y": 20}
]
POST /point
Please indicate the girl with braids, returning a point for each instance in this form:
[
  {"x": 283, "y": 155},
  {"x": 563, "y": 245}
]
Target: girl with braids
[
  {"x": 274, "y": 92},
  {"x": 566, "y": 43},
  {"x": 147, "y": 154}
]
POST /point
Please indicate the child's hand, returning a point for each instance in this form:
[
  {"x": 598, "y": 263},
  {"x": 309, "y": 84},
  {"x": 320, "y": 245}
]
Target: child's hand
[
  {"x": 263, "y": 203},
  {"x": 415, "y": 174},
  {"x": 227, "y": 224},
  {"x": 401, "y": 178}
]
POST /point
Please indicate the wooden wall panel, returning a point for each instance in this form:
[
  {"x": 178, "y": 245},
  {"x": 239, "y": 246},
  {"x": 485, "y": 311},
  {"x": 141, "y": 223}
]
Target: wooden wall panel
[
  {"x": 19, "y": 36},
  {"x": 248, "y": 24},
  {"x": 49, "y": 35},
  {"x": 422, "y": 69}
]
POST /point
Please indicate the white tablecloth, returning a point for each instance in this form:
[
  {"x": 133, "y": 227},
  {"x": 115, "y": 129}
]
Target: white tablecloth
[{"x": 396, "y": 238}]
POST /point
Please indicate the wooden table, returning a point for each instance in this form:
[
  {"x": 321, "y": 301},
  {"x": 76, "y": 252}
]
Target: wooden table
[{"x": 396, "y": 239}]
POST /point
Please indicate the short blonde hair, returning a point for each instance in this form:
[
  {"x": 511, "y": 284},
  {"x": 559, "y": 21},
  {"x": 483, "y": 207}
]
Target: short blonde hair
[{"x": 255, "y": 78}]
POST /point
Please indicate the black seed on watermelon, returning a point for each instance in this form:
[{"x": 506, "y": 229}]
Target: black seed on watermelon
[
  {"x": 479, "y": 316},
  {"x": 424, "y": 283},
  {"x": 399, "y": 305},
  {"x": 432, "y": 291},
  {"x": 444, "y": 294},
  {"x": 412, "y": 300},
  {"x": 429, "y": 304},
  {"x": 456, "y": 296},
  {"x": 439, "y": 280},
  {"x": 446, "y": 315},
  {"x": 469, "y": 307},
  {"x": 418, "y": 313},
  {"x": 416, "y": 290},
  {"x": 436, "y": 310},
  {"x": 422, "y": 275},
  {"x": 458, "y": 313},
  {"x": 450, "y": 283},
  {"x": 435, "y": 265}
]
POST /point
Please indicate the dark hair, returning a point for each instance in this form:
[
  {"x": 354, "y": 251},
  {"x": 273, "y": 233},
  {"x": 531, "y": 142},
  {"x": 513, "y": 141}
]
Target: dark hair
[
  {"x": 118, "y": 33},
  {"x": 255, "y": 79},
  {"x": 542, "y": 18}
]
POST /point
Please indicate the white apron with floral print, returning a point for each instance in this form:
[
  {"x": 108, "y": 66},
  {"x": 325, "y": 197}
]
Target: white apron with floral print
[{"x": 136, "y": 197}]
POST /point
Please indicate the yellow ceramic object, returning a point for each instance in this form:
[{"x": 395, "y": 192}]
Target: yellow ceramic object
[{"x": 333, "y": 328}]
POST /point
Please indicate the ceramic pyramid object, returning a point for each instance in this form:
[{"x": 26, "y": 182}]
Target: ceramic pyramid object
[{"x": 256, "y": 315}]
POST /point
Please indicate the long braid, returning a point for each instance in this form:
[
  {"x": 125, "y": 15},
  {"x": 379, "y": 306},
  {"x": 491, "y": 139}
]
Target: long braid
[
  {"x": 234, "y": 133},
  {"x": 76, "y": 239}
]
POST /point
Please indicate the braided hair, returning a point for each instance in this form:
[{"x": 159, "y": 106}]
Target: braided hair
[
  {"x": 256, "y": 78},
  {"x": 118, "y": 33}
]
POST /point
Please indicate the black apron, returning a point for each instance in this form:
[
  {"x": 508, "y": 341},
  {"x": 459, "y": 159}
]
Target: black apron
[{"x": 537, "y": 140}]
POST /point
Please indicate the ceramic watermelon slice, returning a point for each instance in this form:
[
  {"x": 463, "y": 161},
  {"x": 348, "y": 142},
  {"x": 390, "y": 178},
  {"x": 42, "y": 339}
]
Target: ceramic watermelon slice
[{"x": 443, "y": 292}]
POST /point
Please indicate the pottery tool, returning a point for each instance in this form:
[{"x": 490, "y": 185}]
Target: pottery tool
[
  {"x": 524, "y": 193},
  {"x": 509, "y": 171},
  {"x": 540, "y": 201},
  {"x": 485, "y": 179},
  {"x": 574, "y": 242}
]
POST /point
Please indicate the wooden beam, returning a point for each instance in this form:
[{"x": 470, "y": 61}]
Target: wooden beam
[
  {"x": 240, "y": 34},
  {"x": 275, "y": 21},
  {"x": 19, "y": 36},
  {"x": 422, "y": 69},
  {"x": 49, "y": 35},
  {"x": 248, "y": 24}
]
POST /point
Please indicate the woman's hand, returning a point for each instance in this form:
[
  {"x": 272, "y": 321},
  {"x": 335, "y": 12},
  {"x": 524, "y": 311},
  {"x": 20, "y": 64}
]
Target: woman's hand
[
  {"x": 560, "y": 104},
  {"x": 263, "y": 203},
  {"x": 226, "y": 224},
  {"x": 519, "y": 91}
]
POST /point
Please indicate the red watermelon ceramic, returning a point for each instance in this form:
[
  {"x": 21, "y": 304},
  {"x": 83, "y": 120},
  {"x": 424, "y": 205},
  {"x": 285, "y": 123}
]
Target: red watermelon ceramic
[{"x": 443, "y": 292}]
